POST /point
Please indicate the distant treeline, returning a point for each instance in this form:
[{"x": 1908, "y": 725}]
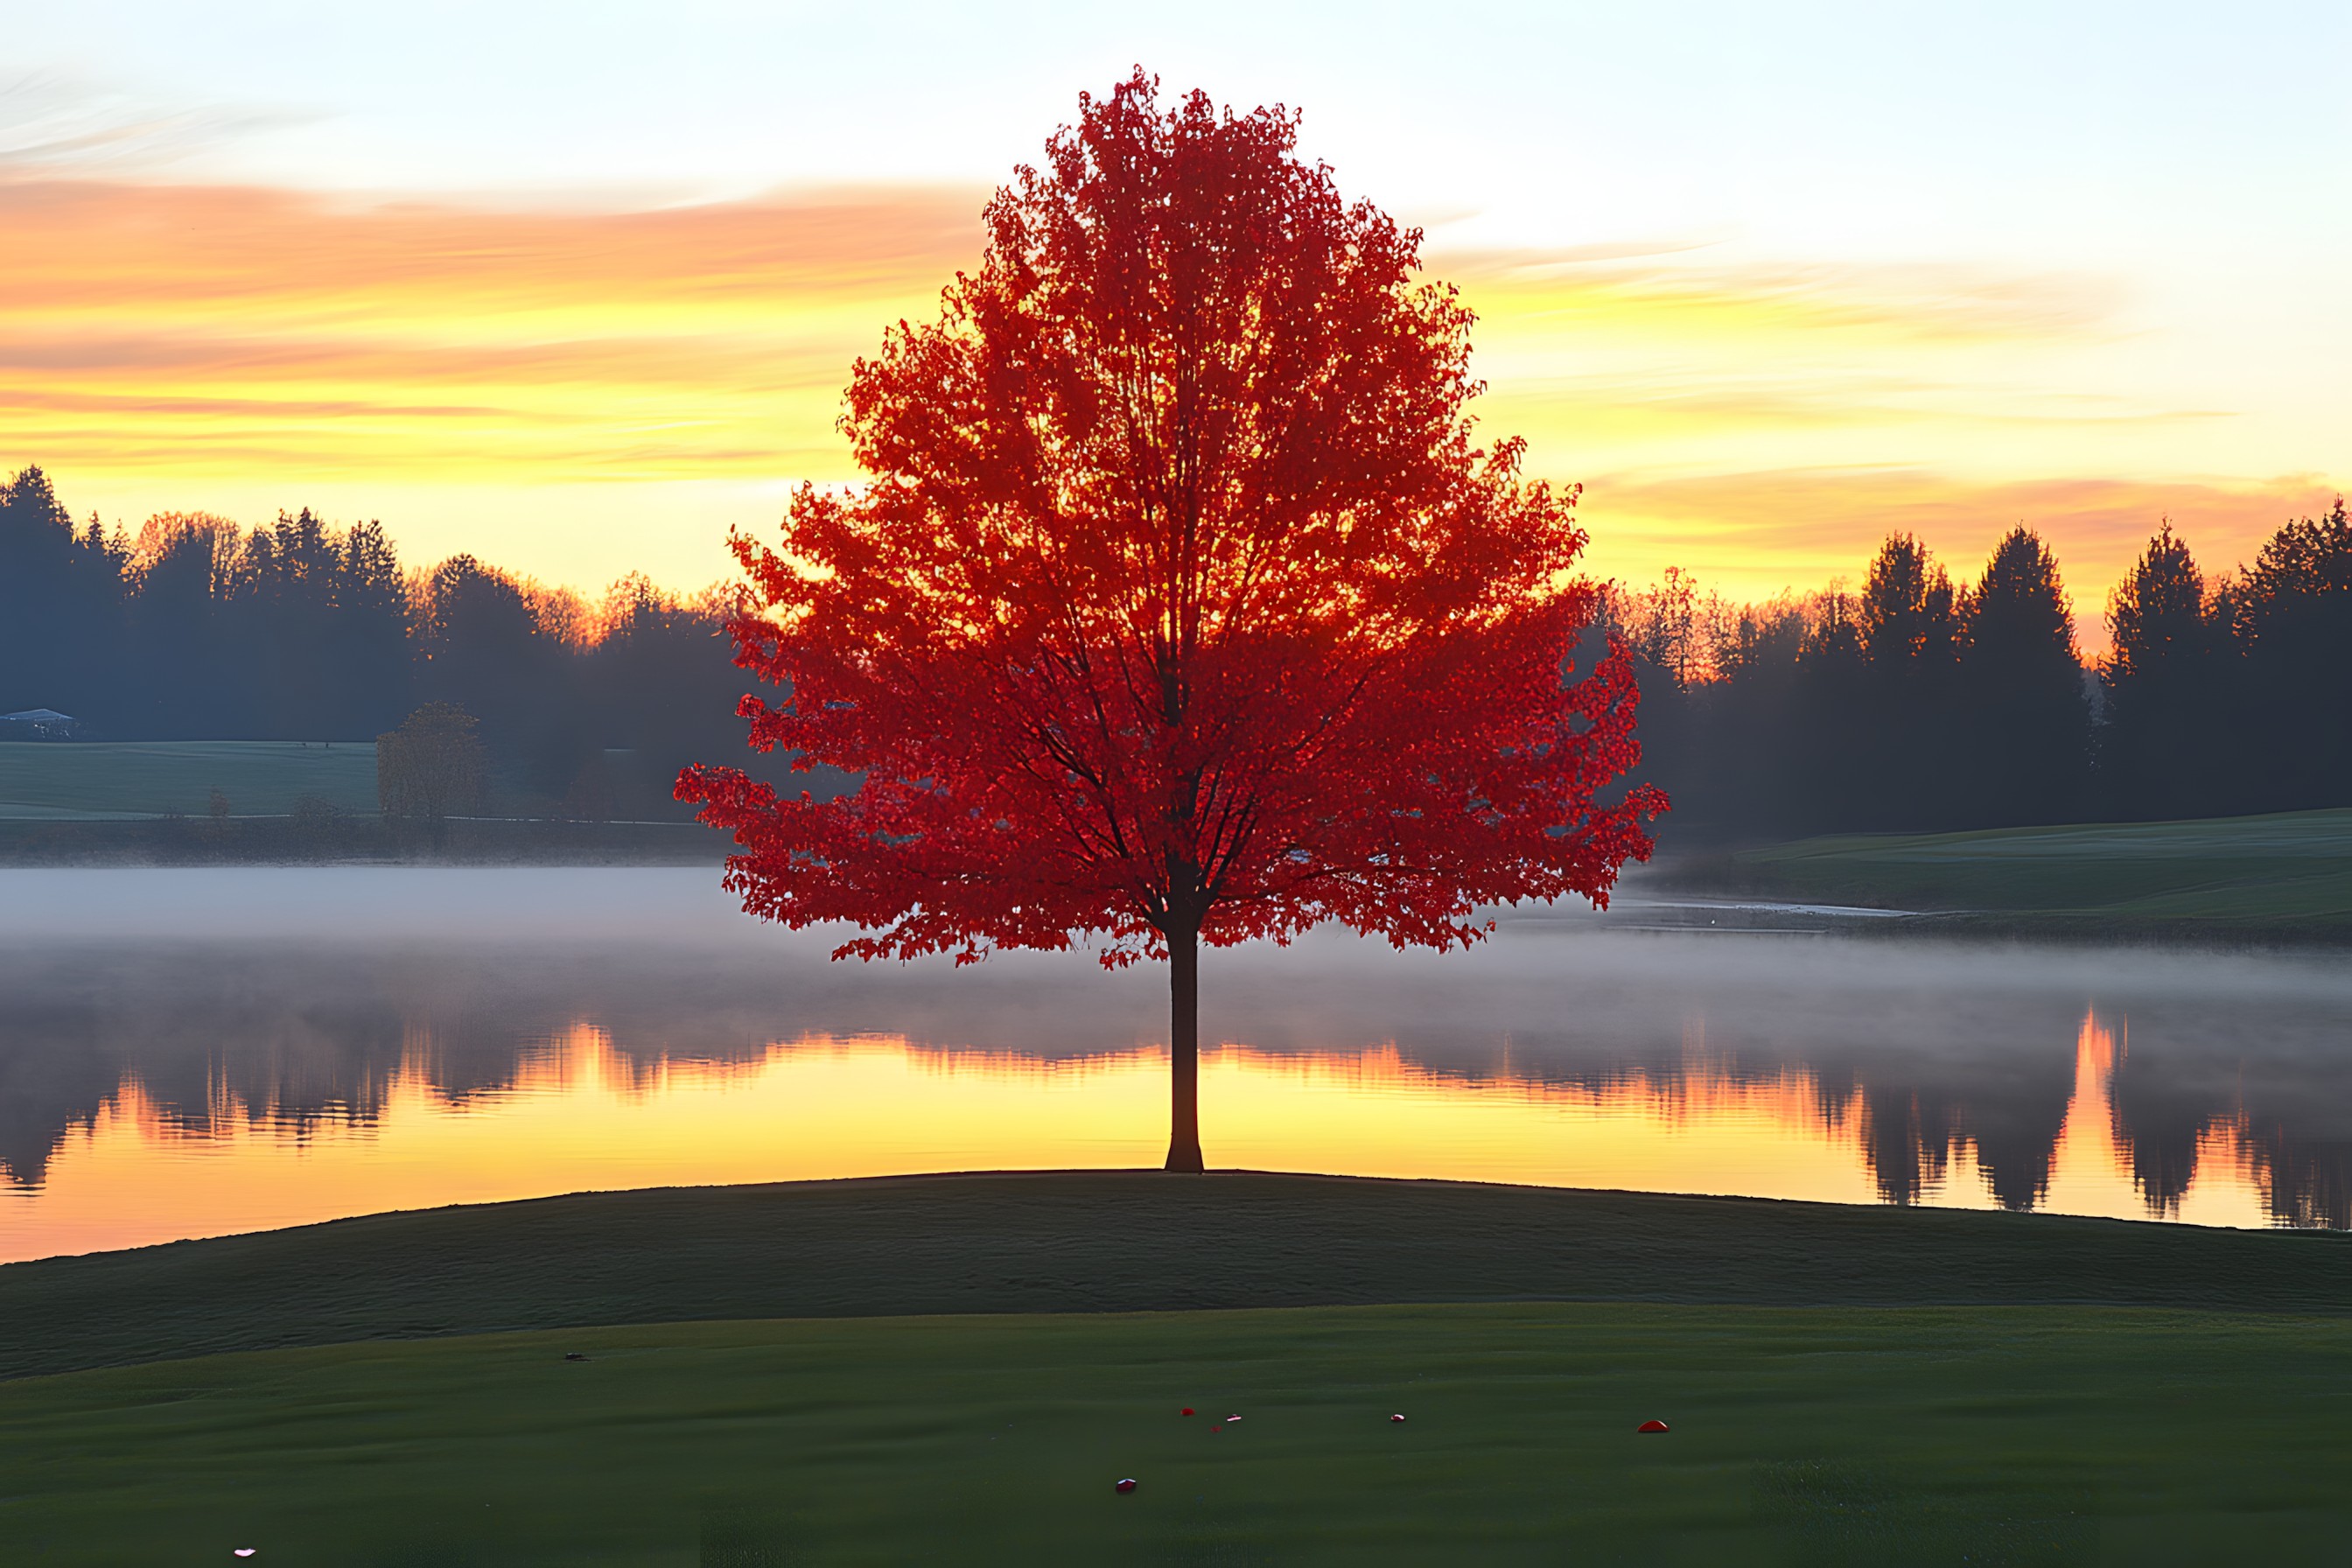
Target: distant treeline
[
  {"x": 300, "y": 631},
  {"x": 1913, "y": 703},
  {"x": 1919, "y": 704}
]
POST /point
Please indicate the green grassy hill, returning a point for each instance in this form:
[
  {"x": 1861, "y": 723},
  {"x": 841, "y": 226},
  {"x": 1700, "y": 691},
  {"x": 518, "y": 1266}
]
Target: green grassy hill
[
  {"x": 2281, "y": 875},
  {"x": 1869, "y": 1418},
  {"x": 1104, "y": 1241},
  {"x": 81, "y": 780}
]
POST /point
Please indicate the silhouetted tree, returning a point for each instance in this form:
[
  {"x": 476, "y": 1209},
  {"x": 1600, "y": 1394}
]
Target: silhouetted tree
[
  {"x": 191, "y": 684},
  {"x": 1829, "y": 734},
  {"x": 1664, "y": 627},
  {"x": 2292, "y": 615},
  {"x": 431, "y": 768},
  {"x": 2167, "y": 681},
  {"x": 1669, "y": 634},
  {"x": 1905, "y": 612},
  {"x": 372, "y": 648},
  {"x": 489, "y": 651},
  {"x": 1908, "y": 632},
  {"x": 61, "y": 594},
  {"x": 2023, "y": 717},
  {"x": 663, "y": 681},
  {"x": 284, "y": 596}
]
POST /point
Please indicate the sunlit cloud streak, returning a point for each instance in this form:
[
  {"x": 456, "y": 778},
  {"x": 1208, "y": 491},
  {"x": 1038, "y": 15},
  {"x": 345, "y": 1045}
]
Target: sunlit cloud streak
[
  {"x": 449, "y": 365},
  {"x": 1672, "y": 288},
  {"x": 1766, "y": 425},
  {"x": 203, "y": 330}
]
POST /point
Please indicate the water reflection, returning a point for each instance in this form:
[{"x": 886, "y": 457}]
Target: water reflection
[{"x": 157, "y": 1086}]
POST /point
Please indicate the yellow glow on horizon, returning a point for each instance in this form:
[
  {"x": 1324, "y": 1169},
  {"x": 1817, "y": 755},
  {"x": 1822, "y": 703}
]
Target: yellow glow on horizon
[
  {"x": 580, "y": 1116},
  {"x": 1766, "y": 426}
]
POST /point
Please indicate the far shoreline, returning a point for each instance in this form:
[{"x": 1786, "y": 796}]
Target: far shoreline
[{"x": 1765, "y": 891}]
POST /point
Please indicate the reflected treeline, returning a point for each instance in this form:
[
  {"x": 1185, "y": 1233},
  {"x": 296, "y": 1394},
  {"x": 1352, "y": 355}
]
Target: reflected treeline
[
  {"x": 1927, "y": 1059},
  {"x": 211, "y": 1039}
]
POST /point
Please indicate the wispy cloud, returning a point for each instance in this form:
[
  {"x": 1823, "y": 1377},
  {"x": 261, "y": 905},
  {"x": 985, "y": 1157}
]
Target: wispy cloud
[
  {"x": 1760, "y": 422},
  {"x": 194, "y": 326},
  {"x": 87, "y": 244},
  {"x": 1620, "y": 287},
  {"x": 52, "y": 124}
]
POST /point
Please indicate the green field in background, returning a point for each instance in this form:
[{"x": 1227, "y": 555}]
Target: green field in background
[
  {"x": 69, "y": 780},
  {"x": 2284, "y": 874},
  {"x": 1839, "y": 1435}
]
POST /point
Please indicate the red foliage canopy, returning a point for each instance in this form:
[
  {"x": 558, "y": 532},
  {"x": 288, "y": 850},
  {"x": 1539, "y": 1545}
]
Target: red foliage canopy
[{"x": 1181, "y": 603}]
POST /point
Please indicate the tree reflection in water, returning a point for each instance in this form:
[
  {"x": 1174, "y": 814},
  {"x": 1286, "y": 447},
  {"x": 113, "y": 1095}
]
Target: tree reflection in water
[{"x": 1953, "y": 1073}]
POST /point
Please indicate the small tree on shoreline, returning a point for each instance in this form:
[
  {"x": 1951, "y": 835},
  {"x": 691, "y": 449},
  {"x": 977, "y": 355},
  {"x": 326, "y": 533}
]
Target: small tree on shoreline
[
  {"x": 1180, "y": 607},
  {"x": 430, "y": 768}
]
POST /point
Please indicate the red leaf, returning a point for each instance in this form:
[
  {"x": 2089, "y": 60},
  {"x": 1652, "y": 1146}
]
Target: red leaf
[{"x": 1179, "y": 604}]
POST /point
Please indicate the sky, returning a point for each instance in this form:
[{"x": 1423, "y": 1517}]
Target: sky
[{"x": 576, "y": 287}]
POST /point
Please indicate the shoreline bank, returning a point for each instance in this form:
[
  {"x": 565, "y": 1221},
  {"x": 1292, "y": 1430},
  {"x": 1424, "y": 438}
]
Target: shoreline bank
[{"x": 1104, "y": 1241}]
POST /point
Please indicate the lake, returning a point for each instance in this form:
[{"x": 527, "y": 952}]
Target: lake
[{"x": 194, "y": 1052}]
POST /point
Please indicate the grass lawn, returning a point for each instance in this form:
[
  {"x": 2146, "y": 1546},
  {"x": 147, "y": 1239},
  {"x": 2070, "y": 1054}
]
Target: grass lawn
[
  {"x": 1908, "y": 1435},
  {"x": 152, "y": 778},
  {"x": 2284, "y": 875},
  {"x": 1106, "y": 1241},
  {"x": 956, "y": 1369}
]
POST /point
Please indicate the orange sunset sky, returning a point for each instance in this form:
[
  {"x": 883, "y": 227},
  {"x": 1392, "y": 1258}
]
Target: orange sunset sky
[{"x": 577, "y": 289}]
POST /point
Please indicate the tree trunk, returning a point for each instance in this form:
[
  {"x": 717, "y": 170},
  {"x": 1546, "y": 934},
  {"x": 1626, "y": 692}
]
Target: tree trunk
[{"x": 1184, "y": 1050}]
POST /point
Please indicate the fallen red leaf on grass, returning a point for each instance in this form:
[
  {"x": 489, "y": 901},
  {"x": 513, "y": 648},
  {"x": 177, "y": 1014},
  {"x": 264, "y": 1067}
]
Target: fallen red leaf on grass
[
  {"x": 1396, "y": 1417},
  {"x": 1125, "y": 1486},
  {"x": 1651, "y": 1426},
  {"x": 1186, "y": 1411}
]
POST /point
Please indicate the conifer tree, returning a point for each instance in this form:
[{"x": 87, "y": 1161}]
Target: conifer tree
[{"x": 2027, "y": 724}]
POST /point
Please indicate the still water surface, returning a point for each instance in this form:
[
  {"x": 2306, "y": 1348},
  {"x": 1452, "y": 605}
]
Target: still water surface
[{"x": 197, "y": 1052}]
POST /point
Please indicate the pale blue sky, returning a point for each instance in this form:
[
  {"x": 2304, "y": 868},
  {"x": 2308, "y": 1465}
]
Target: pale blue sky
[{"x": 1864, "y": 130}]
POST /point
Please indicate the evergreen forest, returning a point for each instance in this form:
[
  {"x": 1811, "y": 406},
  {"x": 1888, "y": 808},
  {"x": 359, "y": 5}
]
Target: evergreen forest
[{"x": 1915, "y": 702}]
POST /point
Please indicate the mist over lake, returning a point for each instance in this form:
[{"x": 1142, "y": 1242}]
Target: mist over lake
[{"x": 190, "y": 1052}]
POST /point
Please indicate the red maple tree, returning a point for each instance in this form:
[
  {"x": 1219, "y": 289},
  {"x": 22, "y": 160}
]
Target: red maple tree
[{"x": 1180, "y": 606}]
